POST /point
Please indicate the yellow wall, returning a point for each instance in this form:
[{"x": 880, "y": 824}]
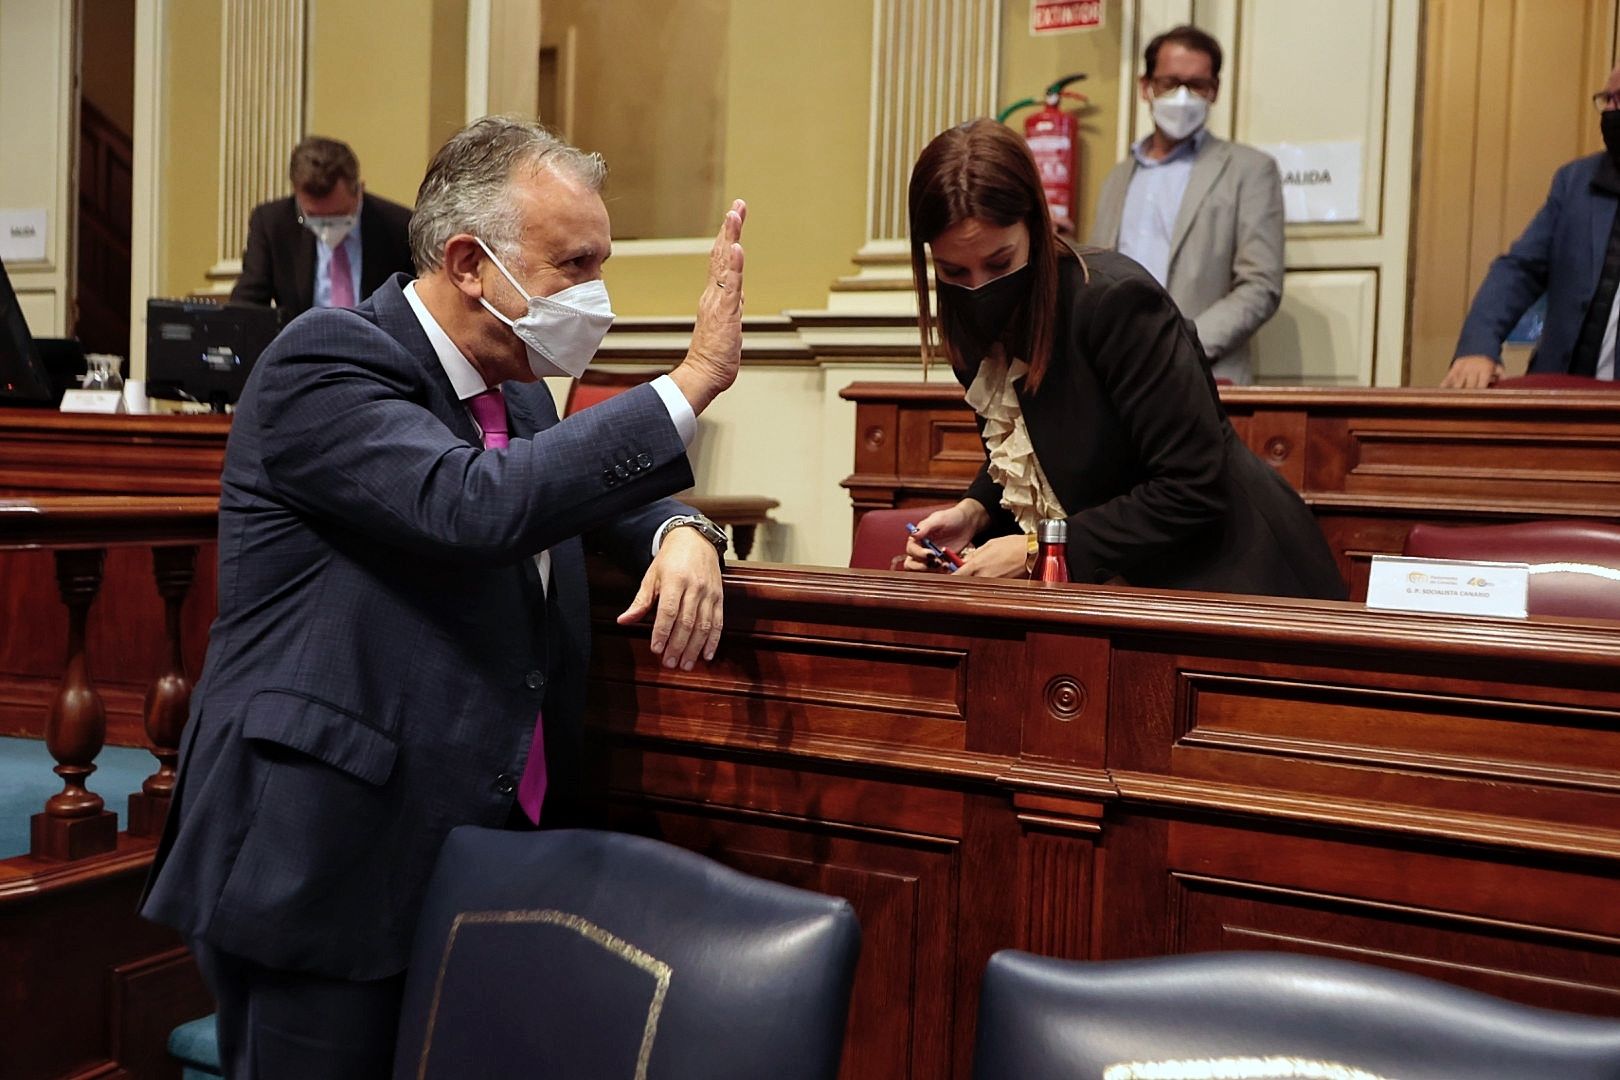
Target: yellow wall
[
  {"x": 388, "y": 77},
  {"x": 1029, "y": 64},
  {"x": 190, "y": 172},
  {"x": 648, "y": 86},
  {"x": 796, "y": 135}
]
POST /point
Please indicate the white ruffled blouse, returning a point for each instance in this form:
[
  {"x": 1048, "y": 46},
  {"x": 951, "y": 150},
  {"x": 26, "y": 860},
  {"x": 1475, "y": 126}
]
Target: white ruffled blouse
[{"x": 1025, "y": 492}]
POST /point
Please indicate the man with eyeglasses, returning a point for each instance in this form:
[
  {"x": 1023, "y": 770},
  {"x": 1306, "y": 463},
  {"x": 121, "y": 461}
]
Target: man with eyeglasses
[
  {"x": 1570, "y": 253},
  {"x": 1203, "y": 215},
  {"x": 330, "y": 243}
]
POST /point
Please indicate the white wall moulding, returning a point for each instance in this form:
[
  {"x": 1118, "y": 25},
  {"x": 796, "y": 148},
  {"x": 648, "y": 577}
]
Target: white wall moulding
[{"x": 261, "y": 116}]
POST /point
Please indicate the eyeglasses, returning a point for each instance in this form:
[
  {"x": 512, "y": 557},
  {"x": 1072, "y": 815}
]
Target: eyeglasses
[
  {"x": 1169, "y": 84},
  {"x": 1606, "y": 100}
]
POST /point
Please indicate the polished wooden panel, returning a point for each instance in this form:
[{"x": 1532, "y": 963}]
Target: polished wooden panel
[
  {"x": 1369, "y": 463},
  {"x": 88, "y": 987},
  {"x": 65, "y": 454},
  {"x": 1134, "y": 773}
]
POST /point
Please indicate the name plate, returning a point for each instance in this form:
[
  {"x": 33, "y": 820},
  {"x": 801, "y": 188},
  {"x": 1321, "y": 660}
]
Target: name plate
[
  {"x": 96, "y": 401},
  {"x": 1449, "y": 585}
]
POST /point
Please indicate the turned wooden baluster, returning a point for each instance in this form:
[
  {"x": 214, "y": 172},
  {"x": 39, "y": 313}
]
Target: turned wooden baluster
[
  {"x": 169, "y": 698},
  {"x": 75, "y": 822}
]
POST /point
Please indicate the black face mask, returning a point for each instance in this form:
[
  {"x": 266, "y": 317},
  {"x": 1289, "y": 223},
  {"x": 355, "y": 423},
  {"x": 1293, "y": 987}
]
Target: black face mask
[
  {"x": 1610, "y": 119},
  {"x": 986, "y": 310}
]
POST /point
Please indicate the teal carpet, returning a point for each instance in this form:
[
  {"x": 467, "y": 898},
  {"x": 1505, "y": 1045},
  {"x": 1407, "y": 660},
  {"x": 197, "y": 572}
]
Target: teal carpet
[{"x": 26, "y": 781}]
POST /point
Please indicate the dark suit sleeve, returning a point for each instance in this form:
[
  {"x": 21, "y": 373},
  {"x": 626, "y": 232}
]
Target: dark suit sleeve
[
  {"x": 255, "y": 286},
  {"x": 343, "y": 443},
  {"x": 627, "y": 539},
  {"x": 1515, "y": 279},
  {"x": 1152, "y": 371}
]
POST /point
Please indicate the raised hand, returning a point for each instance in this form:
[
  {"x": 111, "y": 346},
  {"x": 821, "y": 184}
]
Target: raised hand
[{"x": 716, "y": 353}]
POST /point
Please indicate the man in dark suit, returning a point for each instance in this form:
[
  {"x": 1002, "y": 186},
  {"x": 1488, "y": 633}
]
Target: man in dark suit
[
  {"x": 1570, "y": 253},
  {"x": 403, "y": 625},
  {"x": 328, "y": 244}
]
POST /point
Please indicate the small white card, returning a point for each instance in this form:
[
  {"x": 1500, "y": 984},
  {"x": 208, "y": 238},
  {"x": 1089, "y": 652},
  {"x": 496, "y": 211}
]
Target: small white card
[
  {"x": 23, "y": 234},
  {"x": 1449, "y": 585},
  {"x": 96, "y": 401}
]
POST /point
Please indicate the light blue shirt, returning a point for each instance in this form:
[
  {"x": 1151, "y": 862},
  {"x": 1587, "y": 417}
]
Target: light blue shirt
[
  {"x": 1153, "y": 200},
  {"x": 323, "y": 266}
]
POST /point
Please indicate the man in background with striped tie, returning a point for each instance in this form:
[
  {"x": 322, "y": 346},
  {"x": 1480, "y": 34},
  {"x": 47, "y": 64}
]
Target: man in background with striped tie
[
  {"x": 403, "y": 627},
  {"x": 330, "y": 243}
]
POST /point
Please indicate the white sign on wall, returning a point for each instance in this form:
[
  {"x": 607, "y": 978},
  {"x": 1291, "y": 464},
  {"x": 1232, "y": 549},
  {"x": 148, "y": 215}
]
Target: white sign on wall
[
  {"x": 1321, "y": 181},
  {"x": 1064, "y": 16},
  {"x": 22, "y": 235}
]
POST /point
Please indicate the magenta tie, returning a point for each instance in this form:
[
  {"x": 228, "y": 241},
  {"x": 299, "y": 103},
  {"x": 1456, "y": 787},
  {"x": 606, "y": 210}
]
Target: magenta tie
[
  {"x": 490, "y": 411},
  {"x": 342, "y": 277}
]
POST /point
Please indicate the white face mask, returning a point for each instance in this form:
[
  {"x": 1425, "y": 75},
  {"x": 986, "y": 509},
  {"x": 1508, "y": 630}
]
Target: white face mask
[
  {"x": 1179, "y": 113},
  {"x": 562, "y": 331},
  {"x": 331, "y": 229}
]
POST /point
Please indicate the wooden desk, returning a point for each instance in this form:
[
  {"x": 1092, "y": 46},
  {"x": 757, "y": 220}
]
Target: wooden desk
[
  {"x": 1369, "y": 463},
  {"x": 1098, "y": 772}
]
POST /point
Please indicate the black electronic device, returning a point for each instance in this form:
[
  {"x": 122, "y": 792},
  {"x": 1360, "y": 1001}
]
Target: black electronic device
[
  {"x": 201, "y": 351},
  {"x": 23, "y": 378}
]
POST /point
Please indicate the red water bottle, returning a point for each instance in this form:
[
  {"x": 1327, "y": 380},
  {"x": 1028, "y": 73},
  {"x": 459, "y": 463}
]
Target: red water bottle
[{"x": 1052, "y": 558}]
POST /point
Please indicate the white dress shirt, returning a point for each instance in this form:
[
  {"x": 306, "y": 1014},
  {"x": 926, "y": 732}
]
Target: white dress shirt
[{"x": 466, "y": 382}]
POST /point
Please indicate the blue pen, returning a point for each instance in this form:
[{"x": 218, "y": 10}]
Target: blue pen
[{"x": 945, "y": 555}]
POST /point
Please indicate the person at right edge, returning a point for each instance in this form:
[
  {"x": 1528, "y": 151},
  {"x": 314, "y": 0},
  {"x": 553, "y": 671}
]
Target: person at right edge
[
  {"x": 1093, "y": 400},
  {"x": 1571, "y": 253}
]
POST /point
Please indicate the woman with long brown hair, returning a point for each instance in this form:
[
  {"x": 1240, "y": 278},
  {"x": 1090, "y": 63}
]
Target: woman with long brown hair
[{"x": 1093, "y": 399}]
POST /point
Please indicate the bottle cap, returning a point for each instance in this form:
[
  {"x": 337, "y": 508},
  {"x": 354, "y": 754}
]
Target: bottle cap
[{"x": 1053, "y": 531}]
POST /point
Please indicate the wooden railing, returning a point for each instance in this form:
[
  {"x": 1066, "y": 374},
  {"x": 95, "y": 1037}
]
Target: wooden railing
[{"x": 75, "y": 823}]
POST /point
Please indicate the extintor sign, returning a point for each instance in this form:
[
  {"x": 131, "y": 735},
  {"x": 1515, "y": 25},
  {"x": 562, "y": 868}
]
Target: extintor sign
[{"x": 1064, "y": 16}]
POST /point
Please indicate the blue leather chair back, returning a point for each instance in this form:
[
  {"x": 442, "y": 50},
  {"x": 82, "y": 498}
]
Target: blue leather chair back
[
  {"x": 580, "y": 954},
  {"x": 1239, "y": 1014}
]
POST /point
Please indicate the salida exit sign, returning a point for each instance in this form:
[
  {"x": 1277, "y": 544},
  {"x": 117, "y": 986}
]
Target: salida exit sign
[{"x": 1063, "y": 16}]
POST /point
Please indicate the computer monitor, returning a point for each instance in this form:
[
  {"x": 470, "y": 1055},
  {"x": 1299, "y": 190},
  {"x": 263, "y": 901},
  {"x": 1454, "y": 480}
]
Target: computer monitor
[
  {"x": 23, "y": 379},
  {"x": 200, "y": 351}
]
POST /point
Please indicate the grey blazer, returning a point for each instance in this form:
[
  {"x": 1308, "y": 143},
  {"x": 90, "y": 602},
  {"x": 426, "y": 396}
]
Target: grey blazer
[
  {"x": 1226, "y": 251},
  {"x": 383, "y": 645}
]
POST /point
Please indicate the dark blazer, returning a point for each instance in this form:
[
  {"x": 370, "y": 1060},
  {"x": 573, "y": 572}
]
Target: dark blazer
[
  {"x": 381, "y": 649},
  {"x": 1131, "y": 435},
  {"x": 1560, "y": 254},
  {"x": 279, "y": 263}
]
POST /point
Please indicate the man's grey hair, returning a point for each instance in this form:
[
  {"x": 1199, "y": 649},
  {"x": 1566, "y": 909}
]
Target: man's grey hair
[{"x": 467, "y": 188}]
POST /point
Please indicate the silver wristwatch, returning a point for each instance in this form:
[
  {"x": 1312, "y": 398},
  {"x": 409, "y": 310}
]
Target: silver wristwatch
[{"x": 711, "y": 532}]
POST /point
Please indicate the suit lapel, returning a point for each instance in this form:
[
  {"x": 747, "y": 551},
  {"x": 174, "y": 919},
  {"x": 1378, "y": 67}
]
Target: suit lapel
[
  {"x": 1212, "y": 161},
  {"x": 373, "y": 250},
  {"x": 1111, "y": 208},
  {"x": 304, "y": 268},
  {"x": 395, "y": 316}
]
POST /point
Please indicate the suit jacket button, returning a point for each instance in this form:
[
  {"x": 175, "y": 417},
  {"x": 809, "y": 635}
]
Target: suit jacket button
[
  {"x": 534, "y": 680},
  {"x": 622, "y": 471},
  {"x": 609, "y": 477},
  {"x": 644, "y": 460},
  {"x": 504, "y": 784}
]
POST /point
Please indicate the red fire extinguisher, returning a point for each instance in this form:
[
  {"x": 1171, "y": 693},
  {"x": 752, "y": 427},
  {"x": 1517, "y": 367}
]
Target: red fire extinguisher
[{"x": 1054, "y": 141}]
